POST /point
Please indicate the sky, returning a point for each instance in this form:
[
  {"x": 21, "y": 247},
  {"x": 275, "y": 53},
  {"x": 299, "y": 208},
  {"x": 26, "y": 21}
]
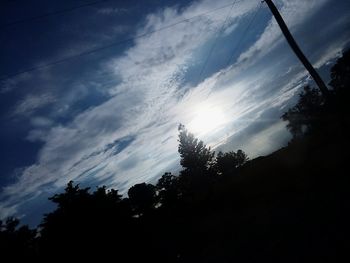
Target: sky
[{"x": 105, "y": 84}]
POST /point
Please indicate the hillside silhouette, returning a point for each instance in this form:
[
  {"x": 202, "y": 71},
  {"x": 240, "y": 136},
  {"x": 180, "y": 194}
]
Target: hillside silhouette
[{"x": 290, "y": 206}]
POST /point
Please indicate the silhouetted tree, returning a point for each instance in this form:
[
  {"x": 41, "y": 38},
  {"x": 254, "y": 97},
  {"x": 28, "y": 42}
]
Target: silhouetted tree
[
  {"x": 197, "y": 161},
  {"x": 10, "y": 225},
  {"x": 340, "y": 82},
  {"x": 82, "y": 222},
  {"x": 313, "y": 114},
  {"x": 168, "y": 189},
  {"x": 306, "y": 114},
  {"x": 340, "y": 73},
  {"x": 142, "y": 197},
  {"x": 17, "y": 242},
  {"x": 194, "y": 154},
  {"x": 73, "y": 194},
  {"x": 230, "y": 161}
]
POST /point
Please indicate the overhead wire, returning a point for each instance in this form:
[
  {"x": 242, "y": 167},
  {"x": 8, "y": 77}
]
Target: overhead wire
[
  {"x": 91, "y": 51},
  {"x": 240, "y": 41},
  {"x": 253, "y": 18},
  {"x": 58, "y": 12},
  {"x": 219, "y": 32}
]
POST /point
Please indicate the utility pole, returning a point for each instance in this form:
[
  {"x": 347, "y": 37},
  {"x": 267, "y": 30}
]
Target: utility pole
[{"x": 293, "y": 44}]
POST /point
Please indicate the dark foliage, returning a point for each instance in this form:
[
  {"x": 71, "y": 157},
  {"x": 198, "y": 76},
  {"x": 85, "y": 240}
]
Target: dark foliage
[
  {"x": 340, "y": 74},
  {"x": 313, "y": 115},
  {"x": 290, "y": 206},
  {"x": 230, "y": 162},
  {"x": 306, "y": 114},
  {"x": 16, "y": 242},
  {"x": 194, "y": 154},
  {"x": 168, "y": 188},
  {"x": 142, "y": 198}
]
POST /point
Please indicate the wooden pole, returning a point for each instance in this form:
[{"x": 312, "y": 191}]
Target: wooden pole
[{"x": 293, "y": 44}]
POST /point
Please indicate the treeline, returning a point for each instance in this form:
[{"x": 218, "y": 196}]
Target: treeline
[
  {"x": 290, "y": 206},
  {"x": 151, "y": 217}
]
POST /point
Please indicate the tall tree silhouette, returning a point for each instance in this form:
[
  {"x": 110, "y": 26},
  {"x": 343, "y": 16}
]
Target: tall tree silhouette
[
  {"x": 197, "y": 161},
  {"x": 194, "y": 154}
]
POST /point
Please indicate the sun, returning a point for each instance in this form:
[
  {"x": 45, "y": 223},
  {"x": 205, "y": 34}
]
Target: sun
[{"x": 206, "y": 119}]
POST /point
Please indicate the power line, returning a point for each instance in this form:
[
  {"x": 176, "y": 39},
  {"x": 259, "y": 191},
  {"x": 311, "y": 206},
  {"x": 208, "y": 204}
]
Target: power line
[
  {"x": 238, "y": 45},
  {"x": 253, "y": 17},
  {"x": 8, "y": 2},
  {"x": 58, "y": 12},
  {"x": 88, "y": 52},
  {"x": 215, "y": 41}
]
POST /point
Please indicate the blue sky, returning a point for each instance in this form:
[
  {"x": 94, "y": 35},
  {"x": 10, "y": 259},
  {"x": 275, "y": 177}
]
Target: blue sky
[{"x": 110, "y": 117}]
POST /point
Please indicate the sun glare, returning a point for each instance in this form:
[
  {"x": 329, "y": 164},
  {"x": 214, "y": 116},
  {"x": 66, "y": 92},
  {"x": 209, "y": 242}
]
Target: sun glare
[{"x": 206, "y": 119}]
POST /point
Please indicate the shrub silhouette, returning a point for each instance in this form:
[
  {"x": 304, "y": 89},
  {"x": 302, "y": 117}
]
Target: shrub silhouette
[
  {"x": 142, "y": 197},
  {"x": 230, "y": 161},
  {"x": 168, "y": 190}
]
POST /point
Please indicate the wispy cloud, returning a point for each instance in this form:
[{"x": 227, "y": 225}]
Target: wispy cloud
[
  {"x": 10, "y": 84},
  {"x": 32, "y": 103}
]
